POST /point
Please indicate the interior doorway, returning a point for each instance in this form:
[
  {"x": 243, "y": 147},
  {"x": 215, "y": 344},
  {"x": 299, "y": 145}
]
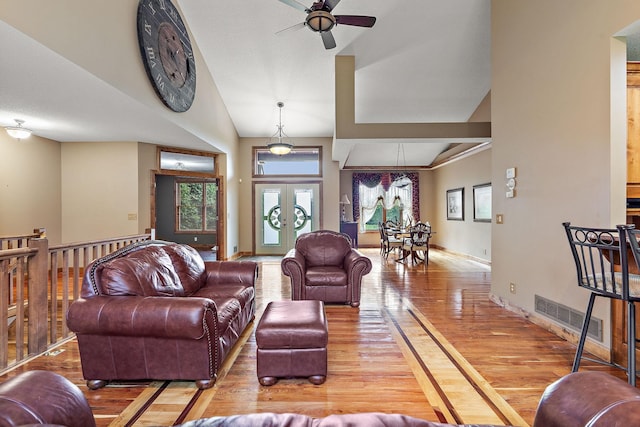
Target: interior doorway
[
  {"x": 282, "y": 212},
  {"x": 198, "y": 224}
]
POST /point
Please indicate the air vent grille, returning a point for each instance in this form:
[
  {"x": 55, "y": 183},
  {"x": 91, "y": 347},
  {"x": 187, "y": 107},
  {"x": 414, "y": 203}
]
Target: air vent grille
[{"x": 568, "y": 316}]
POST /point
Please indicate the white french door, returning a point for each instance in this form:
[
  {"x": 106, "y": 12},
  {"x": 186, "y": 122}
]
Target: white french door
[{"x": 282, "y": 213}]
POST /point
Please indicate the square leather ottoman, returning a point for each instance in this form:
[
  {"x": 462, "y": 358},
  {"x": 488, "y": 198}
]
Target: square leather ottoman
[{"x": 292, "y": 341}]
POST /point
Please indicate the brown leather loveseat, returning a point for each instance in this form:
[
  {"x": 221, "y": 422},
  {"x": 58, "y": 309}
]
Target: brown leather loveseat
[
  {"x": 323, "y": 266},
  {"x": 156, "y": 310}
]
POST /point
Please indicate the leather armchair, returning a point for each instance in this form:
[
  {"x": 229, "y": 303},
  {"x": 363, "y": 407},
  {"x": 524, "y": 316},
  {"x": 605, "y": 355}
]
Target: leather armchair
[
  {"x": 156, "y": 310},
  {"x": 323, "y": 266},
  {"x": 43, "y": 397}
]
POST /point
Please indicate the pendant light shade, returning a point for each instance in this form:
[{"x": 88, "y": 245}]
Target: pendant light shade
[
  {"x": 18, "y": 132},
  {"x": 403, "y": 180},
  {"x": 279, "y": 142}
]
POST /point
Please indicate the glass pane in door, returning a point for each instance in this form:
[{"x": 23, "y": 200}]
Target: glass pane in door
[
  {"x": 303, "y": 211},
  {"x": 271, "y": 217}
]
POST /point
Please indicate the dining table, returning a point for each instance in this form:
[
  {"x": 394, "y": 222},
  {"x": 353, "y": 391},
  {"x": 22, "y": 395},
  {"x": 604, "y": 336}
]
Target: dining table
[{"x": 404, "y": 234}]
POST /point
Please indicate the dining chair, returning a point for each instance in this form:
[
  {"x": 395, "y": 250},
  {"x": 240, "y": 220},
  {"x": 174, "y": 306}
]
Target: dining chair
[
  {"x": 418, "y": 242},
  {"x": 601, "y": 258},
  {"x": 388, "y": 236}
]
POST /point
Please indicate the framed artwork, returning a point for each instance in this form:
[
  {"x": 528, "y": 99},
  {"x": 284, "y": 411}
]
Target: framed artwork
[
  {"x": 482, "y": 202},
  {"x": 455, "y": 204}
]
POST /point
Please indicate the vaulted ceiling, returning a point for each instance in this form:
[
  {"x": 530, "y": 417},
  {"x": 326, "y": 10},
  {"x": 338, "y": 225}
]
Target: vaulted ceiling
[{"x": 423, "y": 62}]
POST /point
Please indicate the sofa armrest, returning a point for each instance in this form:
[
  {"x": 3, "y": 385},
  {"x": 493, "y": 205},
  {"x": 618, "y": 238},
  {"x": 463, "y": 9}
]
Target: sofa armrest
[
  {"x": 356, "y": 265},
  {"x": 588, "y": 398},
  {"x": 230, "y": 272},
  {"x": 161, "y": 317},
  {"x": 293, "y": 265},
  {"x": 43, "y": 397}
]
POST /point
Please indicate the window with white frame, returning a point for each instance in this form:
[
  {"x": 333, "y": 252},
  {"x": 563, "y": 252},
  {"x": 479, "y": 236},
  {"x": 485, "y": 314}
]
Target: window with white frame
[{"x": 378, "y": 205}]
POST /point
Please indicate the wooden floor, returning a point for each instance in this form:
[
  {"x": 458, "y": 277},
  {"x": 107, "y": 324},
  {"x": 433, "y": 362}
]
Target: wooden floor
[{"x": 426, "y": 341}]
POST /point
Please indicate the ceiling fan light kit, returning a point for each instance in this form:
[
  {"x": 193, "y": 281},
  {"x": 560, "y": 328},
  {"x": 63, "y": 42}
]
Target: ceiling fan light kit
[
  {"x": 278, "y": 143},
  {"x": 18, "y": 132},
  {"x": 320, "y": 20}
]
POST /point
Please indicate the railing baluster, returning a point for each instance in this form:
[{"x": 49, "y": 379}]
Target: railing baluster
[
  {"x": 19, "y": 305},
  {"x": 48, "y": 283},
  {"x": 53, "y": 285},
  {"x": 4, "y": 311}
]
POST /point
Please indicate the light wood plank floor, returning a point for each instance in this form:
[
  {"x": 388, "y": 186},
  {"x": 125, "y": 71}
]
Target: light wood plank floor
[{"x": 426, "y": 341}]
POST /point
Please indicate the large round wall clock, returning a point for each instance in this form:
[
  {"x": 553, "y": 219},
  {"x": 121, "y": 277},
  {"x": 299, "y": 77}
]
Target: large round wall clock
[{"x": 166, "y": 53}]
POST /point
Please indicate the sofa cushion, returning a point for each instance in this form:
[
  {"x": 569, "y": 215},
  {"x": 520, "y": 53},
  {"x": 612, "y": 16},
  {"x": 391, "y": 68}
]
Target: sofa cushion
[
  {"x": 188, "y": 265},
  {"x": 147, "y": 272},
  {"x": 326, "y": 276},
  {"x": 267, "y": 419},
  {"x": 323, "y": 248},
  {"x": 244, "y": 294}
]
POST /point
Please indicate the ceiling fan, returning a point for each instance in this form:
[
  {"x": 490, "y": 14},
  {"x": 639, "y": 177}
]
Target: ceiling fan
[{"x": 320, "y": 20}]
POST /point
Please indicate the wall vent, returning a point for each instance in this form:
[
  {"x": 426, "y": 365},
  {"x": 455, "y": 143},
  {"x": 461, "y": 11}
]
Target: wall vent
[{"x": 568, "y": 317}]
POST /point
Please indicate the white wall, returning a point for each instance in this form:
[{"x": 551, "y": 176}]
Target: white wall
[
  {"x": 554, "y": 120},
  {"x": 30, "y": 186}
]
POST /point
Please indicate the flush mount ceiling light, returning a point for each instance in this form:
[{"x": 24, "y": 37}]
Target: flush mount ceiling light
[
  {"x": 18, "y": 132},
  {"x": 279, "y": 142}
]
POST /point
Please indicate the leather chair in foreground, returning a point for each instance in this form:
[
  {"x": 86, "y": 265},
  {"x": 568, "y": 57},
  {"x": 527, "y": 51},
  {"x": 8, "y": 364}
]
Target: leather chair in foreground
[
  {"x": 594, "y": 399},
  {"x": 323, "y": 266}
]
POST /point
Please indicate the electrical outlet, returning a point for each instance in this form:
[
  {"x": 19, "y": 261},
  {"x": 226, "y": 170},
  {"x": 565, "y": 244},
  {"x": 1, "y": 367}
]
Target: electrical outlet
[
  {"x": 195, "y": 239},
  {"x": 512, "y": 288},
  {"x": 499, "y": 218}
]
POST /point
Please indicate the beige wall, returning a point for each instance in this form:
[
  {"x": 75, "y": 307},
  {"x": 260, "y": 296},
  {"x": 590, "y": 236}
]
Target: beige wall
[
  {"x": 30, "y": 186},
  {"x": 99, "y": 190},
  {"x": 330, "y": 210},
  {"x": 466, "y": 237},
  {"x": 147, "y": 161},
  {"x": 555, "y": 118}
]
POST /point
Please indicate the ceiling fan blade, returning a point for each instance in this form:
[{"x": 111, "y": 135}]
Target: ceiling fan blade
[
  {"x": 328, "y": 40},
  {"x": 330, "y": 4},
  {"x": 291, "y": 29},
  {"x": 296, "y": 5},
  {"x": 356, "y": 20}
]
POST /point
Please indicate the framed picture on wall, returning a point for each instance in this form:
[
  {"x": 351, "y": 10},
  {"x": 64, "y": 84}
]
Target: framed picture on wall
[
  {"x": 455, "y": 204},
  {"x": 482, "y": 202}
]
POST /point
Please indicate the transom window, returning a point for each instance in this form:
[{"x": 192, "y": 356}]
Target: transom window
[{"x": 301, "y": 161}]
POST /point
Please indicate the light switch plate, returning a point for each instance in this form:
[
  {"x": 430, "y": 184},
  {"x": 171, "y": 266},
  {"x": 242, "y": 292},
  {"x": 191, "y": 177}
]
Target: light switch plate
[{"x": 511, "y": 173}]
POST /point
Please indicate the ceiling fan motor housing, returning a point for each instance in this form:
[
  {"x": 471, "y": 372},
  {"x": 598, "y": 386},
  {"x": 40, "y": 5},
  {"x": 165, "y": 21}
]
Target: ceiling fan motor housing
[{"x": 320, "y": 21}]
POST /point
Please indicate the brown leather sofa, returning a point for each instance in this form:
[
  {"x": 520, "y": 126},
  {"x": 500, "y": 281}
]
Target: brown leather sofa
[
  {"x": 156, "y": 310},
  {"x": 594, "y": 399},
  {"x": 323, "y": 266}
]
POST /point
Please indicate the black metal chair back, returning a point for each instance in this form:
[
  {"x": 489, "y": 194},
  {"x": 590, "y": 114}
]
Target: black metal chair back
[{"x": 601, "y": 257}]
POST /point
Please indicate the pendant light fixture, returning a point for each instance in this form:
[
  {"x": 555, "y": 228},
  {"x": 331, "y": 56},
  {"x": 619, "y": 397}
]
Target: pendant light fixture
[
  {"x": 18, "y": 132},
  {"x": 403, "y": 180},
  {"x": 279, "y": 142}
]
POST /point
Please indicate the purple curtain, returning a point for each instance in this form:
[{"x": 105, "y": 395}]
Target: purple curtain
[{"x": 384, "y": 178}]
